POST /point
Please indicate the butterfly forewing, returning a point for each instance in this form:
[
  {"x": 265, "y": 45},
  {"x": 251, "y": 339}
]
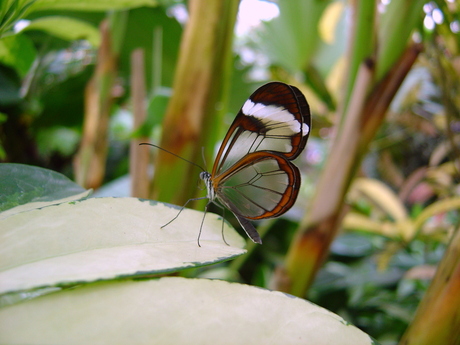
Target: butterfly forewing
[{"x": 275, "y": 118}]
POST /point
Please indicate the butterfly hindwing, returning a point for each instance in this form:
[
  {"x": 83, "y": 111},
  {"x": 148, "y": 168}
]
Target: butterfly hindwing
[{"x": 262, "y": 185}]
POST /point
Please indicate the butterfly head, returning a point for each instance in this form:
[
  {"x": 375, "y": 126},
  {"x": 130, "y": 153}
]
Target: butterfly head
[{"x": 206, "y": 177}]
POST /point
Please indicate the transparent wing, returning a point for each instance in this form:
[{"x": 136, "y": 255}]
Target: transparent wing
[
  {"x": 275, "y": 118},
  {"x": 260, "y": 185}
]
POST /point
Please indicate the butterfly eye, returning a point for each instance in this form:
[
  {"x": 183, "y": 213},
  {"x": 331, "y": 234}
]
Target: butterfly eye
[{"x": 204, "y": 175}]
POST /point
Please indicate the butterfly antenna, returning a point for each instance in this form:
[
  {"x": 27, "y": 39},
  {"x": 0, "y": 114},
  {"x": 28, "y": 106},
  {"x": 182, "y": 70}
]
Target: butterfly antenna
[
  {"x": 158, "y": 147},
  {"x": 203, "y": 157}
]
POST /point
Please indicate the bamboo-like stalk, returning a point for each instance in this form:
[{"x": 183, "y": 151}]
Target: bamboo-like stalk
[
  {"x": 362, "y": 113},
  {"x": 138, "y": 158},
  {"x": 320, "y": 226},
  {"x": 323, "y": 226},
  {"x": 89, "y": 163},
  {"x": 437, "y": 318},
  {"x": 192, "y": 119},
  {"x": 326, "y": 212}
]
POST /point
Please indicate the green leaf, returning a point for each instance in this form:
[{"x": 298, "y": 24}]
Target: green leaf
[
  {"x": 90, "y": 5},
  {"x": 66, "y": 28},
  {"x": 59, "y": 139},
  {"x": 10, "y": 85},
  {"x": 156, "y": 109},
  {"x": 18, "y": 52},
  {"x": 317, "y": 83},
  {"x": 106, "y": 238},
  {"x": 3, "y": 118},
  {"x": 24, "y": 184},
  {"x": 11, "y": 11},
  {"x": 363, "y": 46},
  {"x": 291, "y": 39},
  {"x": 174, "y": 310},
  {"x": 397, "y": 24},
  {"x": 145, "y": 27}
]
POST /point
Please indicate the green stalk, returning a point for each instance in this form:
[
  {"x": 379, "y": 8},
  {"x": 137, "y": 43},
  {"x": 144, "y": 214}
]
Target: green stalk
[
  {"x": 193, "y": 118},
  {"x": 437, "y": 319},
  {"x": 363, "y": 45}
]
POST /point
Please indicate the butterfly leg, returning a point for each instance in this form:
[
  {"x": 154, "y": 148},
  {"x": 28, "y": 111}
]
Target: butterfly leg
[
  {"x": 223, "y": 220},
  {"x": 202, "y": 221},
  {"x": 182, "y": 208}
]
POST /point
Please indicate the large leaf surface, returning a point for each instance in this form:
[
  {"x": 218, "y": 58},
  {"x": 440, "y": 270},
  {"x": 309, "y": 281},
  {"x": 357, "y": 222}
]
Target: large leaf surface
[
  {"x": 173, "y": 311},
  {"x": 106, "y": 238}
]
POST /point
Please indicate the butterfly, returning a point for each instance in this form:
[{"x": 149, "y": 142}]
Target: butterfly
[{"x": 253, "y": 175}]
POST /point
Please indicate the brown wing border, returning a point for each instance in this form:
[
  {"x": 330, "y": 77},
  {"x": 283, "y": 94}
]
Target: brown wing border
[{"x": 274, "y": 93}]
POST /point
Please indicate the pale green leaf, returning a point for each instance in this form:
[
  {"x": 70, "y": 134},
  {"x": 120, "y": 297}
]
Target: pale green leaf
[
  {"x": 381, "y": 196},
  {"x": 106, "y": 238},
  {"x": 437, "y": 207},
  {"x": 173, "y": 310}
]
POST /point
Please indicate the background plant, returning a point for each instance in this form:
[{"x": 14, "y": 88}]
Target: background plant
[{"x": 384, "y": 102}]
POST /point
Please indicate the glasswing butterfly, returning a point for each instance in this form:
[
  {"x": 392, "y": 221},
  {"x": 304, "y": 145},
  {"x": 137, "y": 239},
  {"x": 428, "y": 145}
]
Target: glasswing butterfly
[{"x": 253, "y": 174}]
